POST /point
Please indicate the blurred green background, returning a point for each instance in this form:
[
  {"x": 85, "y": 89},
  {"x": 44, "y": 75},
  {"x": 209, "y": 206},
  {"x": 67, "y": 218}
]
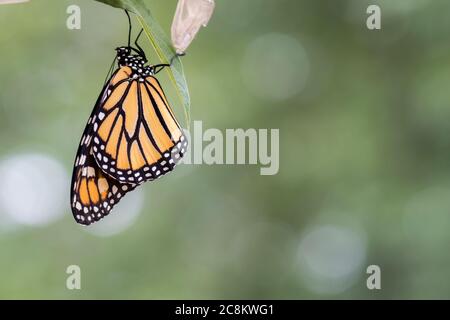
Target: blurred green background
[{"x": 364, "y": 177}]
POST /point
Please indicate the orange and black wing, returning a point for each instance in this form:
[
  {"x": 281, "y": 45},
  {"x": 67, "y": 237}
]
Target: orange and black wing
[
  {"x": 93, "y": 194},
  {"x": 136, "y": 136}
]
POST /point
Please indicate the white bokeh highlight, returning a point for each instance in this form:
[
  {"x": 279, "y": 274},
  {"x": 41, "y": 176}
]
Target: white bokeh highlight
[
  {"x": 275, "y": 67},
  {"x": 331, "y": 258},
  {"x": 34, "y": 189},
  {"x": 121, "y": 217}
]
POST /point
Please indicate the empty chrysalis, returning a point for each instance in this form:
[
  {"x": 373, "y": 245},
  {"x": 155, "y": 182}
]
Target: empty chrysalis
[
  {"x": 12, "y": 1},
  {"x": 190, "y": 15}
]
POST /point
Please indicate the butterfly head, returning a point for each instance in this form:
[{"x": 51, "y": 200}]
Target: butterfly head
[
  {"x": 123, "y": 51},
  {"x": 122, "y": 55}
]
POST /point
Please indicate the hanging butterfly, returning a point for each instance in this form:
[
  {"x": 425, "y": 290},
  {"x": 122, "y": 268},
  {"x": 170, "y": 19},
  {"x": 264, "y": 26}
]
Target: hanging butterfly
[{"x": 131, "y": 137}]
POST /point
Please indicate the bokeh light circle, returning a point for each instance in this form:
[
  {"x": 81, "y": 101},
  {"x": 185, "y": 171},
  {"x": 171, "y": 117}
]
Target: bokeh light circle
[
  {"x": 331, "y": 257},
  {"x": 275, "y": 67},
  {"x": 121, "y": 217},
  {"x": 34, "y": 188}
]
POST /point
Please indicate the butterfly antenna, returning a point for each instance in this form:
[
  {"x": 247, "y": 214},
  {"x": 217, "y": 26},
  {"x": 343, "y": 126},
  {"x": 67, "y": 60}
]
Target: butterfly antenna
[{"x": 129, "y": 27}]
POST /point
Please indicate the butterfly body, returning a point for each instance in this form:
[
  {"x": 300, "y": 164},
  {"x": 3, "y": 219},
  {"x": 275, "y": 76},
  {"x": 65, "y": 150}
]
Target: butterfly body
[{"x": 131, "y": 137}]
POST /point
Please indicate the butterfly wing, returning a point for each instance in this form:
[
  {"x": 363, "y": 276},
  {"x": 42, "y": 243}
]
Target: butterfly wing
[
  {"x": 93, "y": 194},
  {"x": 136, "y": 136}
]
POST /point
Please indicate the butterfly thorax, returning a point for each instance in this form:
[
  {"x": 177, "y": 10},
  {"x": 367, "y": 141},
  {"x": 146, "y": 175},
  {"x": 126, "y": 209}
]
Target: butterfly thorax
[{"x": 135, "y": 61}]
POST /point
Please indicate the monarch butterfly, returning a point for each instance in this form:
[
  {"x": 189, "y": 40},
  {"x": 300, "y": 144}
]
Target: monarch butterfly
[{"x": 131, "y": 137}]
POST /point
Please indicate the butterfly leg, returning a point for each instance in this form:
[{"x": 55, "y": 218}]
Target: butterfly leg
[
  {"x": 162, "y": 66},
  {"x": 138, "y": 46},
  {"x": 158, "y": 67}
]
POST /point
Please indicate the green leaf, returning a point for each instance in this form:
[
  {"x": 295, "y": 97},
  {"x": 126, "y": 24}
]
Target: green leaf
[{"x": 162, "y": 46}]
